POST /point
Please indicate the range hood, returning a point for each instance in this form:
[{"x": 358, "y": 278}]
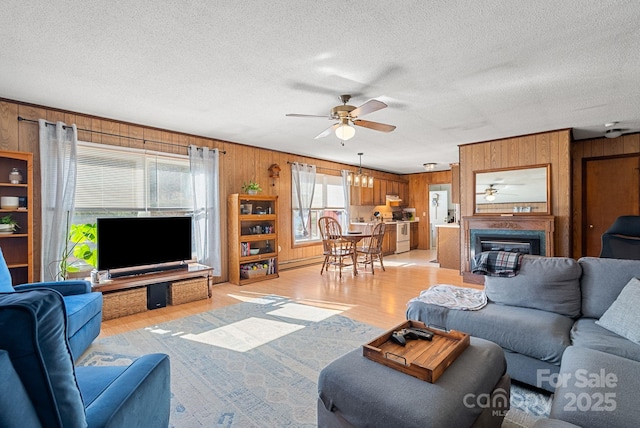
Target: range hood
[{"x": 393, "y": 200}]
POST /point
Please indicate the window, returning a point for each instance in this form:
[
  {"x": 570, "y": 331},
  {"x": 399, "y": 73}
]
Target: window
[
  {"x": 122, "y": 182},
  {"x": 328, "y": 200}
]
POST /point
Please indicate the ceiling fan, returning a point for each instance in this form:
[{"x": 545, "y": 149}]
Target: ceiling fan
[
  {"x": 489, "y": 193},
  {"x": 347, "y": 115}
]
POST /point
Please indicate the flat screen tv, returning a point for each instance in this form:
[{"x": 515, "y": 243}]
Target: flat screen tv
[{"x": 144, "y": 242}]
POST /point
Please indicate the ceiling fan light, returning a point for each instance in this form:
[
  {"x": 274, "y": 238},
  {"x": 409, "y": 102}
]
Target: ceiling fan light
[
  {"x": 490, "y": 198},
  {"x": 613, "y": 133},
  {"x": 345, "y": 132},
  {"x": 429, "y": 166}
]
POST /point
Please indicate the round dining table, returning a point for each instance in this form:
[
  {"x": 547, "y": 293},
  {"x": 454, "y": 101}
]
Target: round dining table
[{"x": 355, "y": 237}]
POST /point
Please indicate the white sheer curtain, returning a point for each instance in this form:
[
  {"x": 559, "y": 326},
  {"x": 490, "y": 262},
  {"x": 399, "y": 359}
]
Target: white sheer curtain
[
  {"x": 204, "y": 164},
  {"x": 58, "y": 166},
  {"x": 304, "y": 183},
  {"x": 346, "y": 188}
]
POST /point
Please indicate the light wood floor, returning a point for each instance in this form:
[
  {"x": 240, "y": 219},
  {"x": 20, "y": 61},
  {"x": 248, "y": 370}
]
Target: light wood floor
[{"x": 378, "y": 299}]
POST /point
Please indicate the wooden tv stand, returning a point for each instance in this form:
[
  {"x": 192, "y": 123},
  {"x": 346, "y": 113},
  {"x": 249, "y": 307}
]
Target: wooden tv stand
[{"x": 127, "y": 295}]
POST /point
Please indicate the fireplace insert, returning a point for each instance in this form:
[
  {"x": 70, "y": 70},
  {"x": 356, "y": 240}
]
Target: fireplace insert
[{"x": 510, "y": 243}]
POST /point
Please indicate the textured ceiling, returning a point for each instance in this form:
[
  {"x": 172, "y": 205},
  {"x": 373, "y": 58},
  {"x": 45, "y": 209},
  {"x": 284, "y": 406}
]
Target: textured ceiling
[{"x": 452, "y": 72}]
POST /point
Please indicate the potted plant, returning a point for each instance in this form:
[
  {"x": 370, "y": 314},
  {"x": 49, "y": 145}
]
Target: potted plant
[
  {"x": 251, "y": 188},
  {"x": 80, "y": 250},
  {"x": 8, "y": 224}
]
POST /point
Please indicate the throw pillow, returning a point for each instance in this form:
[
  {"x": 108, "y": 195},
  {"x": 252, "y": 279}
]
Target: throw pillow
[
  {"x": 623, "y": 317},
  {"x": 549, "y": 284}
]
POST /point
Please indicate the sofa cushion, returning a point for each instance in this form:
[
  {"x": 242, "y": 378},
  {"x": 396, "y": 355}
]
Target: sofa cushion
[
  {"x": 33, "y": 327},
  {"x": 597, "y": 389},
  {"x": 17, "y": 409},
  {"x": 623, "y": 316},
  {"x": 5, "y": 276},
  {"x": 539, "y": 334},
  {"x": 81, "y": 308},
  {"x": 602, "y": 281},
  {"x": 587, "y": 334},
  {"x": 547, "y": 283}
]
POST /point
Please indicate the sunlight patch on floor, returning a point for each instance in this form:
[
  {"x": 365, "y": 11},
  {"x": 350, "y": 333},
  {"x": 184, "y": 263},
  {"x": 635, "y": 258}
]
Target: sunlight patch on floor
[
  {"x": 244, "y": 335},
  {"x": 157, "y": 330},
  {"x": 265, "y": 300},
  {"x": 303, "y": 312},
  {"x": 326, "y": 304},
  {"x": 388, "y": 263}
]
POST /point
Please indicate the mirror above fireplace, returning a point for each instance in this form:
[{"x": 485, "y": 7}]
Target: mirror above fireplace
[{"x": 518, "y": 191}]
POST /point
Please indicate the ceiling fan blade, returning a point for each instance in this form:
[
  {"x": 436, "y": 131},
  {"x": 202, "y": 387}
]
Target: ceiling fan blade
[
  {"x": 308, "y": 115},
  {"x": 327, "y": 131},
  {"x": 376, "y": 126},
  {"x": 368, "y": 107}
]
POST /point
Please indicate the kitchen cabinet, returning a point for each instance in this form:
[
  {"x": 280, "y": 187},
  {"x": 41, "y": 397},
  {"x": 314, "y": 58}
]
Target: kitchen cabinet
[
  {"x": 354, "y": 195},
  {"x": 455, "y": 183},
  {"x": 389, "y": 239},
  {"x": 366, "y": 195},
  {"x": 415, "y": 235},
  {"x": 17, "y": 245},
  {"x": 362, "y": 195},
  {"x": 253, "y": 238},
  {"x": 379, "y": 192},
  {"x": 393, "y": 188},
  {"x": 403, "y": 192},
  {"x": 448, "y": 245}
]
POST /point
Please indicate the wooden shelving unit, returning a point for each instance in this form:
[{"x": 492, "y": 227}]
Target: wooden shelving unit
[
  {"x": 17, "y": 247},
  {"x": 253, "y": 223}
]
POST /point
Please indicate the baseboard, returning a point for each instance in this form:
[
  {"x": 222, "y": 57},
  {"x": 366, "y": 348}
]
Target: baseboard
[{"x": 300, "y": 263}]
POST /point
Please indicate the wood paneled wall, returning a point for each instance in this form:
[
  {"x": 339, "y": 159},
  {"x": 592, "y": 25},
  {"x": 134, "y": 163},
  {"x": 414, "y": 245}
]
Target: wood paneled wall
[
  {"x": 543, "y": 148},
  {"x": 592, "y": 149},
  {"x": 419, "y": 199},
  {"x": 240, "y": 163}
]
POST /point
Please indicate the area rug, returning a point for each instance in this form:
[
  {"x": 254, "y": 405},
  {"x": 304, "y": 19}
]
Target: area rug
[
  {"x": 527, "y": 406},
  {"x": 253, "y": 364}
]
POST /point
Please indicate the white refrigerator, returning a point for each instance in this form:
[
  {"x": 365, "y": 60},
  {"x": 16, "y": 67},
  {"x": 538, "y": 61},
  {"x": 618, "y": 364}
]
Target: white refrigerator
[{"x": 438, "y": 212}]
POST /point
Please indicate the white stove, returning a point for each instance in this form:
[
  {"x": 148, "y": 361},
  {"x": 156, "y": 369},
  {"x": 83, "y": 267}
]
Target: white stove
[{"x": 403, "y": 237}]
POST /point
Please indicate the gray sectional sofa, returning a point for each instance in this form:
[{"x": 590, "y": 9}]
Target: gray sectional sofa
[{"x": 547, "y": 319}]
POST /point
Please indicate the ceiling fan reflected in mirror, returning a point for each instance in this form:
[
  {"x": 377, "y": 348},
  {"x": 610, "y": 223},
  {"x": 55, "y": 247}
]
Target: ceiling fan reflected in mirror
[
  {"x": 490, "y": 193},
  {"x": 348, "y": 115}
]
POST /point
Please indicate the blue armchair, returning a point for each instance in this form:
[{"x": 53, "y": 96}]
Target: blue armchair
[
  {"x": 83, "y": 307},
  {"x": 39, "y": 385}
]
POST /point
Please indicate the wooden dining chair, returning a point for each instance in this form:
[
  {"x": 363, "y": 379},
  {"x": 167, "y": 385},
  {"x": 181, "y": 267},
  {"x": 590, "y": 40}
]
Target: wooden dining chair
[
  {"x": 371, "y": 248},
  {"x": 337, "y": 251}
]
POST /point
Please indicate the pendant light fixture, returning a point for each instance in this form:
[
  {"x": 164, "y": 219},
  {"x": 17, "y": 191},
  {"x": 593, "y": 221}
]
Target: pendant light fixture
[{"x": 360, "y": 179}]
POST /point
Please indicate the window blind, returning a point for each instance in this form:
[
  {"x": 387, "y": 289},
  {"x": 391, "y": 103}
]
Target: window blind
[{"x": 115, "y": 179}]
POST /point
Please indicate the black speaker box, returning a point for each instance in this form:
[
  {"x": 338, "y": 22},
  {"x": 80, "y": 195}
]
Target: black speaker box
[{"x": 157, "y": 295}]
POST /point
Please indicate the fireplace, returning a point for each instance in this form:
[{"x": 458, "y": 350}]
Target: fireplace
[
  {"x": 496, "y": 241},
  {"x": 527, "y": 234}
]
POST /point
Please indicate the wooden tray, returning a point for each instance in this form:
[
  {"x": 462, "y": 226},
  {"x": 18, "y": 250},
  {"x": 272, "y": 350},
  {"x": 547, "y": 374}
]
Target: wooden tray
[{"x": 426, "y": 360}]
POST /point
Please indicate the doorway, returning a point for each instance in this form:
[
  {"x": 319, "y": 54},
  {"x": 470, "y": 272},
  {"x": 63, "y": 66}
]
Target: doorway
[
  {"x": 440, "y": 209},
  {"x": 611, "y": 189}
]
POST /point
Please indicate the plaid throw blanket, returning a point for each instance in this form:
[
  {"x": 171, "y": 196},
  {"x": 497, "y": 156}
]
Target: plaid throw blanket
[{"x": 497, "y": 263}]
